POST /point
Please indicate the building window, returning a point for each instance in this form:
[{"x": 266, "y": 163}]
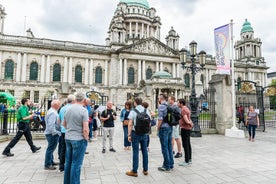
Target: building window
[
  {"x": 78, "y": 74},
  {"x": 33, "y": 71},
  {"x": 202, "y": 78},
  {"x": 11, "y": 92},
  {"x": 26, "y": 94},
  {"x": 36, "y": 96},
  {"x": 9, "y": 66},
  {"x": 99, "y": 73},
  {"x": 130, "y": 74},
  {"x": 56, "y": 72},
  {"x": 187, "y": 80},
  {"x": 149, "y": 73}
]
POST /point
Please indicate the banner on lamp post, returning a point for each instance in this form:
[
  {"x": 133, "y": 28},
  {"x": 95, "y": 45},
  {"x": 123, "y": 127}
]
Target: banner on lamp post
[{"x": 222, "y": 46}]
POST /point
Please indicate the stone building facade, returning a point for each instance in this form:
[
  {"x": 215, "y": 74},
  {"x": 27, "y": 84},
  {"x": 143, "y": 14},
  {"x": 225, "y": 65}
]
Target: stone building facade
[{"x": 133, "y": 62}]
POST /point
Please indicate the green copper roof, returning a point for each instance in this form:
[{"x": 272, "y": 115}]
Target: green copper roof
[
  {"x": 162, "y": 75},
  {"x": 246, "y": 27},
  {"x": 142, "y": 3}
]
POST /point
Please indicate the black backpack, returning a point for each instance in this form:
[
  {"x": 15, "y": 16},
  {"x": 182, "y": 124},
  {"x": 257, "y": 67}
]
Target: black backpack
[
  {"x": 142, "y": 122},
  {"x": 173, "y": 116}
]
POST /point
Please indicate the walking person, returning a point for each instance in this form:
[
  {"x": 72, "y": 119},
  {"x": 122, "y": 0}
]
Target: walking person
[
  {"x": 175, "y": 131},
  {"x": 253, "y": 122},
  {"x": 124, "y": 119},
  {"x": 136, "y": 140},
  {"x": 165, "y": 135},
  {"x": 62, "y": 145},
  {"x": 52, "y": 133},
  {"x": 76, "y": 137},
  {"x": 108, "y": 116},
  {"x": 186, "y": 126},
  {"x": 23, "y": 118}
]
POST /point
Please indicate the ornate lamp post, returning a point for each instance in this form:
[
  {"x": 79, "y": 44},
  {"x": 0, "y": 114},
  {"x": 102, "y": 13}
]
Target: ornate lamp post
[{"x": 196, "y": 132}]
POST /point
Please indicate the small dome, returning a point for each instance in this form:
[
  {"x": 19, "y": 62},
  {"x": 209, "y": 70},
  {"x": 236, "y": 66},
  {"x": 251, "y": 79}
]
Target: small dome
[
  {"x": 142, "y": 3},
  {"x": 246, "y": 27},
  {"x": 162, "y": 75}
]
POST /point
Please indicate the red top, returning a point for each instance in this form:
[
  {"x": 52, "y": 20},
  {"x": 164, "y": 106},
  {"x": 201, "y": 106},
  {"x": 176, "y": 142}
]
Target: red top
[{"x": 182, "y": 123}]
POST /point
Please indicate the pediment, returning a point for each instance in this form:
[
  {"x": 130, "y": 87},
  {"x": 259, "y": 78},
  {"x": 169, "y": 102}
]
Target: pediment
[{"x": 150, "y": 46}]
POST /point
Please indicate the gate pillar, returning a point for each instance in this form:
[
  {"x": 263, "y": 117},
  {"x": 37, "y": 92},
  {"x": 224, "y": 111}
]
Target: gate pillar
[{"x": 223, "y": 107}]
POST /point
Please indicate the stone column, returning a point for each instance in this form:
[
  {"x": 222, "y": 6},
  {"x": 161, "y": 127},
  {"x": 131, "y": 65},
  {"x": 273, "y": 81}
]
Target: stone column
[
  {"x": 178, "y": 70},
  {"x": 18, "y": 68},
  {"x": 173, "y": 70},
  {"x": 161, "y": 66},
  {"x": 175, "y": 94},
  {"x": 106, "y": 73},
  {"x": 144, "y": 70},
  {"x": 86, "y": 72},
  {"x": 48, "y": 69},
  {"x": 70, "y": 70},
  {"x": 24, "y": 67},
  {"x": 65, "y": 70},
  {"x": 139, "y": 71},
  {"x": 148, "y": 31},
  {"x": 142, "y": 32},
  {"x": 130, "y": 30},
  {"x": 42, "y": 71},
  {"x": 125, "y": 77},
  {"x": 91, "y": 72},
  {"x": 120, "y": 71},
  {"x": 156, "y": 66}
]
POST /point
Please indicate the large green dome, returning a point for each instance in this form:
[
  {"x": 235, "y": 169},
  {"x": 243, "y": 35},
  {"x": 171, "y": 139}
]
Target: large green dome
[
  {"x": 142, "y": 3},
  {"x": 246, "y": 27}
]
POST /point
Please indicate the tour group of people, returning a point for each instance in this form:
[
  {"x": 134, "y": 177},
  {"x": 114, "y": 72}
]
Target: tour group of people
[{"x": 69, "y": 126}]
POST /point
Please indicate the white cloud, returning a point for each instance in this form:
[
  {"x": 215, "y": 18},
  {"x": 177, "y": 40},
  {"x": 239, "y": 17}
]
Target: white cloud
[{"x": 88, "y": 21}]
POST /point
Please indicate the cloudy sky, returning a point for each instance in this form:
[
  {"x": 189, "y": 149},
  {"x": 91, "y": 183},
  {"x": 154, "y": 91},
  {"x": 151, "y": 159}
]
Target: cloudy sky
[{"x": 88, "y": 20}]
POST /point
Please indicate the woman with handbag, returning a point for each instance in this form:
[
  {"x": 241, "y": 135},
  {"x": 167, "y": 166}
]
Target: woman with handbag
[
  {"x": 253, "y": 122},
  {"x": 124, "y": 119}
]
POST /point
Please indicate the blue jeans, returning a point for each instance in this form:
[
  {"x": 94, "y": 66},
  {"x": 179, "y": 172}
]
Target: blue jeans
[
  {"x": 52, "y": 144},
  {"x": 75, "y": 151},
  {"x": 126, "y": 142},
  {"x": 165, "y": 136},
  {"x": 252, "y": 130},
  {"x": 90, "y": 130},
  {"x": 136, "y": 140}
]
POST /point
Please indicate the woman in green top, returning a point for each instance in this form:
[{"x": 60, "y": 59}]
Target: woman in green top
[{"x": 23, "y": 118}]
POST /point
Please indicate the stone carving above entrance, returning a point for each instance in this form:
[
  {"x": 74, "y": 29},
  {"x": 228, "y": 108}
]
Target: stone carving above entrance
[{"x": 150, "y": 46}]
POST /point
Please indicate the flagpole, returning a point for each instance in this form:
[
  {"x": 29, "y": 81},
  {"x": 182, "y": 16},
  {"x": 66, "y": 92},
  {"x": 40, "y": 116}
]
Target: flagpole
[{"x": 233, "y": 75}]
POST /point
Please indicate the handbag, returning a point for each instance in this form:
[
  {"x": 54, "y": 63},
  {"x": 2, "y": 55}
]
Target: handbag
[{"x": 125, "y": 122}]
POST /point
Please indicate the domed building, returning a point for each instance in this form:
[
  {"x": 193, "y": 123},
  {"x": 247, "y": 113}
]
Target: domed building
[{"x": 132, "y": 62}]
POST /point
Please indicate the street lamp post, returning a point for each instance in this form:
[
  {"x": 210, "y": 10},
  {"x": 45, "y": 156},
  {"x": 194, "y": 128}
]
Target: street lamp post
[{"x": 196, "y": 132}]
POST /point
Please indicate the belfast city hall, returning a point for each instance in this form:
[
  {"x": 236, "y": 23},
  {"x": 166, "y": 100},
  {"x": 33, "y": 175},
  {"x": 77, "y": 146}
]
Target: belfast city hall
[{"x": 131, "y": 62}]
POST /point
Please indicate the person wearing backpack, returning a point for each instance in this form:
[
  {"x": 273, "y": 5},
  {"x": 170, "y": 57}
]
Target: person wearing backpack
[
  {"x": 108, "y": 117},
  {"x": 186, "y": 126},
  {"x": 165, "y": 135},
  {"x": 138, "y": 129},
  {"x": 175, "y": 131}
]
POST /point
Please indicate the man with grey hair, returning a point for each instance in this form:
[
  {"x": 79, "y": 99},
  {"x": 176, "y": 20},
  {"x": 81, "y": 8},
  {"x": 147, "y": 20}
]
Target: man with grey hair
[
  {"x": 76, "y": 124},
  {"x": 52, "y": 133},
  {"x": 62, "y": 146},
  {"x": 108, "y": 116}
]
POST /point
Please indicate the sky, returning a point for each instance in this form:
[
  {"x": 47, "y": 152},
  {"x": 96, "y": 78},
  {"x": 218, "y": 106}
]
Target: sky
[{"x": 88, "y": 20}]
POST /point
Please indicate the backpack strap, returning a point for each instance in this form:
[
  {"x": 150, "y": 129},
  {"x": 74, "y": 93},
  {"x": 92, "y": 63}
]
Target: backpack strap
[{"x": 136, "y": 111}]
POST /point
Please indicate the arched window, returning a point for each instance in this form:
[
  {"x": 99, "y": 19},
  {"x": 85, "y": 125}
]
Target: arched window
[
  {"x": 33, "y": 71},
  {"x": 98, "y": 75},
  {"x": 130, "y": 74},
  {"x": 78, "y": 74},
  {"x": 149, "y": 73},
  {"x": 187, "y": 80},
  {"x": 56, "y": 72},
  {"x": 9, "y": 66}
]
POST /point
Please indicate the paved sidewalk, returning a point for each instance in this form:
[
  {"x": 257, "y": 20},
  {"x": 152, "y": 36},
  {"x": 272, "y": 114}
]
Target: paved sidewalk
[{"x": 216, "y": 159}]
